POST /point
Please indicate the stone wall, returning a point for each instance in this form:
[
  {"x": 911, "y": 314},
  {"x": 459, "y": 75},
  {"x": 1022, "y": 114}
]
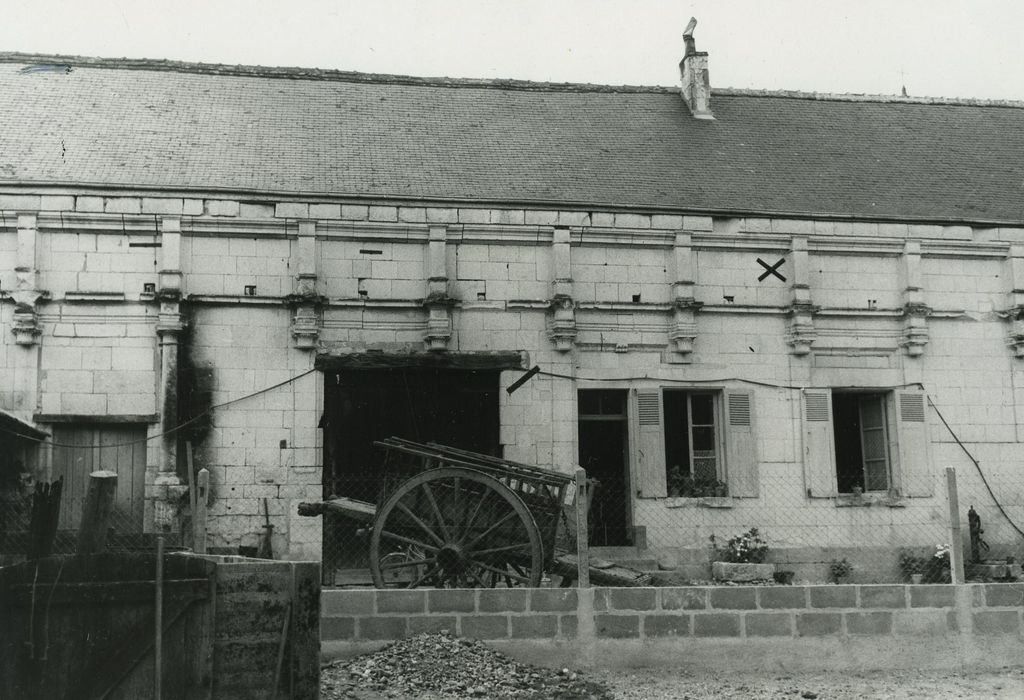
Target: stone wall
[
  {"x": 646, "y": 300},
  {"x": 722, "y": 628}
]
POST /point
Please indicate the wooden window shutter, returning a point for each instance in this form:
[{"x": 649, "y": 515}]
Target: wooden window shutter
[
  {"x": 740, "y": 445},
  {"x": 914, "y": 468},
  {"x": 819, "y": 444},
  {"x": 650, "y": 444}
]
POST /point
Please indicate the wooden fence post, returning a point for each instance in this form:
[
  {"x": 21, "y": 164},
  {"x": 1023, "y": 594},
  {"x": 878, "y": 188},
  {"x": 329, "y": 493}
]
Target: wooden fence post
[
  {"x": 199, "y": 514},
  {"x": 99, "y": 501},
  {"x": 582, "y": 533},
  {"x": 956, "y": 546}
]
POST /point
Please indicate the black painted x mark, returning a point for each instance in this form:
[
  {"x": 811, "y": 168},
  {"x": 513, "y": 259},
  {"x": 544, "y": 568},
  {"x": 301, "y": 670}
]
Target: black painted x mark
[{"x": 771, "y": 270}]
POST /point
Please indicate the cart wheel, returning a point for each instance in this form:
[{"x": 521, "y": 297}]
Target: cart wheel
[{"x": 453, "y": 527}]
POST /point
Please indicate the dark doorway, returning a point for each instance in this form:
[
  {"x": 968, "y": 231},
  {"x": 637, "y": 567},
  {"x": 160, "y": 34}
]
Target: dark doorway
[
  {"x": 604, "y": 453},
  {"x": 450, "y": 406}
]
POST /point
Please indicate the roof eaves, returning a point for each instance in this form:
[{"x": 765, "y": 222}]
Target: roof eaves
[
  {"x": 12, "y": 425},
  {"x": 11, "y": 187}
]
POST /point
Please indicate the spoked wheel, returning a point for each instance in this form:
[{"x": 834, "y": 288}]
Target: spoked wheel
[{"x": 455, "y": 528}]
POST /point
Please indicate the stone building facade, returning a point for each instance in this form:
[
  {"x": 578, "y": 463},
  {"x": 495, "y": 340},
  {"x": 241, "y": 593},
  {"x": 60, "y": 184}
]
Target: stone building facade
[{"x": 744, "y": 320}]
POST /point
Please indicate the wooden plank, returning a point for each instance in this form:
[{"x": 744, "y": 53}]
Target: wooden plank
[
  {"x": 361, "y": 511},
  {"x": 136, "y": 645},
  {"x": 107, "y": 592},
  {"x": 566, "y": 566}
]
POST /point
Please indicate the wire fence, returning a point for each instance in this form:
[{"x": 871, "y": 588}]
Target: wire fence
[
  {"x": 19, "y": 539},
  {"x": 855, "y": 537}
]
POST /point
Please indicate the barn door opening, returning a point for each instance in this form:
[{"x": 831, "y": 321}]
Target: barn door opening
[
  {"x": 455, "y": 407},
  {"x": 604, "y": 453},
  {"x": 79, "y": 450}
]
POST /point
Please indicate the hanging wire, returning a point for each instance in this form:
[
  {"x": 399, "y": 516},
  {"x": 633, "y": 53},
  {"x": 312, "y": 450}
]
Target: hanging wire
[
  {"x": 977, "y": 466},
  {"x": 725, "y": 380},
  {"x": 176, "y": 428}
]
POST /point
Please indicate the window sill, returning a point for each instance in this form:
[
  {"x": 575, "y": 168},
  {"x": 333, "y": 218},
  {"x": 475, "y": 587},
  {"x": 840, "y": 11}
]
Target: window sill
[
  {"x": 867, "y": 500},
  {"x": 701, "y": 502}
]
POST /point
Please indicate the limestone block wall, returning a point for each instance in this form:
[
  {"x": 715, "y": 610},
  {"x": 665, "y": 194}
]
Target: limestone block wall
[{"x": 647, "y": 301}]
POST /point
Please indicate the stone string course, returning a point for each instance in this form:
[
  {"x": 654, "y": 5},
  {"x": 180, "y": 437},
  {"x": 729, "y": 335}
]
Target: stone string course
[{"x": 692, "y": 612}]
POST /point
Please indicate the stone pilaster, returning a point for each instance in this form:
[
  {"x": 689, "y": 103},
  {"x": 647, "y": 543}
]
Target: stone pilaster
[
  {"x": 167, "y": 486},
  {"x": 562, "y": 307},
  {"x": 26, "y": 295},
  {"x": 915, "y": 311},
  {"x": 437, "y": 303},
  {"x": 1016, "y": 311},
  {"x": 683, "y": 333},
  {"x": 801, "y": 334},
  {"x": 305, "y": 302}
]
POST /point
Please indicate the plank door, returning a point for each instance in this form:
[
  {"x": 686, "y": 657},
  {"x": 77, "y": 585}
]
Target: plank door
[{"x": 81, "y": 449}]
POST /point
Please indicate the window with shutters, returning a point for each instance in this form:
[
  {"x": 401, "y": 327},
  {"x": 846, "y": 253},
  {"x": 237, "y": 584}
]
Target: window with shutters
[
  {"x": 871, "y": 442},
  {"x": 693, "y": 458},
  {"x": 695, "y": 443},
  {"x": 862, "y": 442}
]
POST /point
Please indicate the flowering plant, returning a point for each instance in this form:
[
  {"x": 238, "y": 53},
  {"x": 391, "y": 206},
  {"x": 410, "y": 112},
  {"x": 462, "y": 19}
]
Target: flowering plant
[
  {"x": 748, "y": 548},
  {"x": 942, "y": 554}
]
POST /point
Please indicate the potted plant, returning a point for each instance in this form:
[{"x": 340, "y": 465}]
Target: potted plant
[
  {"x": 839, "y": 569},
  {"x": 912, "y": 566},
  {"x": 936, "y": 570},
  {"x": 742, "y": 558}
]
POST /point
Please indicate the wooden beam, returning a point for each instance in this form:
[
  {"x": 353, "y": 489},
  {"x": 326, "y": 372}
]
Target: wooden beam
[{"x": 99, "y": 502}]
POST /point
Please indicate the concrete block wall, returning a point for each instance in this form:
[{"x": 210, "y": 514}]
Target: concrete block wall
[
  {"x": 260, "y": 605},
  {"x": 720, "y": 628}
]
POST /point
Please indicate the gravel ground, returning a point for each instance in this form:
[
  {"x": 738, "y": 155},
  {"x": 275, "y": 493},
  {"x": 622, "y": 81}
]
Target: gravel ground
[
  {"x": 443, "y": 667},
  {"x": 651, "y": 684}
]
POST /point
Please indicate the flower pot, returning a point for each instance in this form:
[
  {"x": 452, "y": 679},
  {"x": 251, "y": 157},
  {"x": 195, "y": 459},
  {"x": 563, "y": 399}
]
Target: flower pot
[
  {"x": 916, "y": 578},
  {"x": 729, "y": 571}
]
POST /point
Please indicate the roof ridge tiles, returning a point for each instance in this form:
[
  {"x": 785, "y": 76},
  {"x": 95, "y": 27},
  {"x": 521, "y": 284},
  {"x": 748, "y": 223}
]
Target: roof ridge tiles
[{"x": 51, "y": 62}]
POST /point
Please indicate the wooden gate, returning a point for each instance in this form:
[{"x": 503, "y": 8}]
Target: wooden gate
[
  {"x": 84, "y": 627},
  {"x": 82, "y": 449}
]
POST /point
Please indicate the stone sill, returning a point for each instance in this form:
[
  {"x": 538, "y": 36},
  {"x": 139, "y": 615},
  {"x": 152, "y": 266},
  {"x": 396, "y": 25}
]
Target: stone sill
[
  {"x": 701, "y": 502},
  {"x": 869, "y": 499}
]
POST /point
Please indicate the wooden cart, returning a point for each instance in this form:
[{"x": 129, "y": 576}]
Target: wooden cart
[{"x": 457, "y": 519}]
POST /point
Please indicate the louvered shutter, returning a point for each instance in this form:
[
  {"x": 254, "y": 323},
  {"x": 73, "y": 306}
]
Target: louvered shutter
[
  {"x": 819, "y": 444},
  {"x": 740, "y": 446},
  {"x": 650, "y": 469},
  {"x": 916, "y": 475}
]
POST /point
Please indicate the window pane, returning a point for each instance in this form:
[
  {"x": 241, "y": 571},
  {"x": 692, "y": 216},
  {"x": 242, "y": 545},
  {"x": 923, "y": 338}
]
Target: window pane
[
  {"x": 871, "y": 412},
  {"x": 874, "y": 444},
  {"x": 876, "y": 475},
  {"x": 705, "y": 466},
  {"x": 613, "y": 403},
  {"x": 590, "y": 403},
  {"x": 703, "y": 409},
  {"x": 703, "y": 440}
]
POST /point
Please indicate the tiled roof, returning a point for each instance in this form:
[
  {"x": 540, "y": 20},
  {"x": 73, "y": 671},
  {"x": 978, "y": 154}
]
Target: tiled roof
[{"x": 283, "y": 131}]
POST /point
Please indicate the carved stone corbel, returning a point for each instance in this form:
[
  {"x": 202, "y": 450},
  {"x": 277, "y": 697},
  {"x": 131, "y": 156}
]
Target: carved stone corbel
[
  {"x": 684, "y": 326},
  {"x": 439, "y": 321},
  {"x": 801, "y": 335},
  {"x": 915, "y": 329},
  {"x": 562, "y": 322},
  {"x": 307, "y": 312},
  {"x": 1017, "y": 333},
  {"x": 26, "y": 326}
]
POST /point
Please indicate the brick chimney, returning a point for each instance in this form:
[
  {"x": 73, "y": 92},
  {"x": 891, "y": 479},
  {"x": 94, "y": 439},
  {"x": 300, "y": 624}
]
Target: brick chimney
[{"x": 696, "y": 88}]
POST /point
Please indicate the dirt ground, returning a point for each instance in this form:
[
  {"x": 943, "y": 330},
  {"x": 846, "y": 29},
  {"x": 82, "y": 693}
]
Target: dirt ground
[{"x": 651, "y": 684}]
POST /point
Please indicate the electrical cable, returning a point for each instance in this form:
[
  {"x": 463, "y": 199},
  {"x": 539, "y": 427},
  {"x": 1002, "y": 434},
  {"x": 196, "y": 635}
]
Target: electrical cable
[
  {"x": 672, "y": 380},
  {"x": 977, "y": 466},
  {"x": 176, "y": 428}
]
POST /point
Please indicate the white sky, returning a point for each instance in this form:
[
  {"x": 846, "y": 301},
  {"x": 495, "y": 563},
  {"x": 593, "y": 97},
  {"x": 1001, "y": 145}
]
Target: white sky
[{"x": 945, "y": 48}]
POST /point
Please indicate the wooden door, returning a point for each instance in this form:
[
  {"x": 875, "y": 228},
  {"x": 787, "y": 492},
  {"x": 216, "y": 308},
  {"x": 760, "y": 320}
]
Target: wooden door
[{"x": 81, "y": 449}]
